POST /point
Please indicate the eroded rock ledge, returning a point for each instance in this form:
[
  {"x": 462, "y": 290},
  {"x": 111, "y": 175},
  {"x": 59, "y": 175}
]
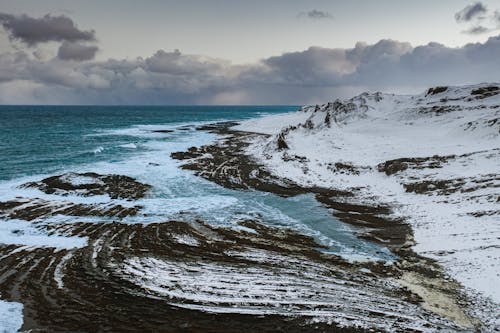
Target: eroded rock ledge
[
  {"x": 193, "y": 277},
  {"x": 83, "y": 184},
  {"x": 90, "y": 183}
]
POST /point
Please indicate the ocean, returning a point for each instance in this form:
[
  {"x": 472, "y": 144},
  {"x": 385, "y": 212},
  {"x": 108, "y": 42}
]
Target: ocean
[
  {"x": 40, "y": 141},
  {"x": 45, "y": 139}
]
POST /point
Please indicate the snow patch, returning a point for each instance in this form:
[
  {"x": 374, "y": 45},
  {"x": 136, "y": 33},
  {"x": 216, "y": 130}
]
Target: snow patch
[
  {"x": 186, "y": 239},
  {"x": 11, "y": 316}
]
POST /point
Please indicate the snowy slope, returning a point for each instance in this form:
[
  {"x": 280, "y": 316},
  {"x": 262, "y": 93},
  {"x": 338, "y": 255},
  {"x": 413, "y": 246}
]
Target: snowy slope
[{"x": 434, "y": 157}]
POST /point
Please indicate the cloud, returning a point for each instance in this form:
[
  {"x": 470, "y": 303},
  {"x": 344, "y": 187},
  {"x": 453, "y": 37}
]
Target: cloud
[
  {"x": 45, "y": 29},
  {"x": 176, "y": 63},
  {"x": 496, "y": 18},
  {"x": 316, "y": 14},
  {"x": 470, "y": 12},
  {"x": 322, "y": 66},
  {"x": 476, "y": 30},
  {"x": 76, "y": 51},
  {"x": 479, "y": 18},
  {"x": 313, "y": 75}
]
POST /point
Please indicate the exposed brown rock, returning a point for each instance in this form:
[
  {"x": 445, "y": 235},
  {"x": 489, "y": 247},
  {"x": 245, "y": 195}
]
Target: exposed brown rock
[
  {"x": 31, "y": 209},
  {"x": 116, "y": 186},
  {"x": 400, "y": 164},
  {"x": 436, "y": 90},
  {"x": 86, "y": 289},
  {"x": 485, "y": 92}
]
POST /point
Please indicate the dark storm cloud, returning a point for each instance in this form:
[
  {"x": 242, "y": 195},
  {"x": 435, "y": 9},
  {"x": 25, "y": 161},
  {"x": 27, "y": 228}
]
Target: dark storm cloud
[
  {"x": 323, "y": 66},
  {"x": 48, "y": 28},
  {"x": 433, "y": 64},
  {"x": 176, "y": 63},
  {"x": 316, "y": 14},
  {"x": 479, "y": 19},
  {"x": 314, "y": 75},
  {"x": 319, "y": 14},
  {"x": 76, "y": 51},
  {"x": 476, "y": 30},
  {"x": 496, "y": 18},
  {"x": 471, "y": 12}
]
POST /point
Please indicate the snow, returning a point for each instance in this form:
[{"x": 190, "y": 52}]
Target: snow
[
  {"x": 273, "y": 123},
  {"x": 18, "y": 232},
  {"x": 370, "y": 129},
  {"x": 278, "y": 285},
  {"x": 11, "y": 317},
  {"x": 58, "y": 271},
  {"x": 186, "y": 239}
]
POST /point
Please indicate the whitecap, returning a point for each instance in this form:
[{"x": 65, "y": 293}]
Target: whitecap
[
  {"x": 98, "y": 150},
  {"x": 129, "y": 145}
]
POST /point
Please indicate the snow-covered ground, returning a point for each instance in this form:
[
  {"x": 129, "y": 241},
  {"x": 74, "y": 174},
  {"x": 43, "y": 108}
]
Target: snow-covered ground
[
  {"x": 450, "y": 196},
  {"x": 11, "y": 316}
]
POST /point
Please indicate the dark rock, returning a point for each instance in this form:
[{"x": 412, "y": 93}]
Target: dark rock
[
  {"x": 116, "y": 186},
  {"x": 344, "y": 168},
  {"x": 281, "y": 142},
  {"x": 485, "y": 92},
  {"x": 217, "y": 127},
  {"x": 439, "y": 109},
  {"x": 327, "y": 119},
  {"x": 436, "y": 90},
  {"x": 192, "y": 152},
  {"x": 400, "y": 164},
  {"x": 185, "y": 128},
  {"x": 162, "y": 131},
  {"x": 288, "y": 158},
  {"x": 308, "y": 124},
  {"x": 486, "y": 213},
  {"x": 426, "y": 186},
  {"x": 32, "y": 209},
  {"x": 448, "y": 186}
]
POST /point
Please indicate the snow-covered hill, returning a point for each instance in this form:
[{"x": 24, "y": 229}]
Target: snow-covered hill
[{"x": 433, "y": 157}]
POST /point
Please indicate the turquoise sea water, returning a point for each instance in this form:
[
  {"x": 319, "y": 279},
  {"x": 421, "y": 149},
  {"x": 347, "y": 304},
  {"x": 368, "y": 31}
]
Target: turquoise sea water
[{"x": 39, "y": 141}]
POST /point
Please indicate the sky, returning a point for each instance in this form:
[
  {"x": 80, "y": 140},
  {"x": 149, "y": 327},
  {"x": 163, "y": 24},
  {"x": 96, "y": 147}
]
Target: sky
[{"x": 240, "y": 52}]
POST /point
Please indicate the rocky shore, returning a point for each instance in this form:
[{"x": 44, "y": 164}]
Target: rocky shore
[
  {"x": 102, "y": 272},
  {"x": 227, "y": 163},
  {"x": 427, "y": 162},
  {"x": 191, "y": 276}
]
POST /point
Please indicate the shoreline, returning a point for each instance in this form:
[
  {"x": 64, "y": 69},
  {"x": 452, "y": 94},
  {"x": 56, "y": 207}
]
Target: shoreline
[
  {"x": 256, "y": 278},
  {"x": 226, "y": 163},
  {"x": 278, "y": 278}
]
